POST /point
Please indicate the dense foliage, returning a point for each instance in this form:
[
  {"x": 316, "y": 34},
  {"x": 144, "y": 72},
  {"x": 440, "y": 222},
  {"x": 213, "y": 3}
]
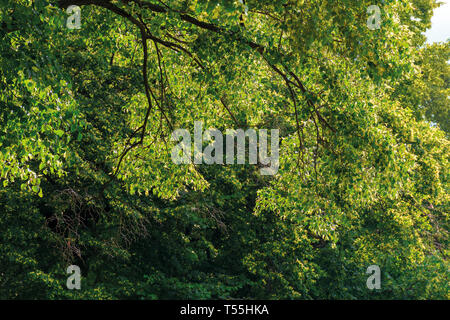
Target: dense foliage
[{"x": 86, "y": 175}]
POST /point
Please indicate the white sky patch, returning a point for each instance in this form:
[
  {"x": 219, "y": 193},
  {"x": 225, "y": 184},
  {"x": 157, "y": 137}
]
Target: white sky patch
[{"x": 440, "y": 24}]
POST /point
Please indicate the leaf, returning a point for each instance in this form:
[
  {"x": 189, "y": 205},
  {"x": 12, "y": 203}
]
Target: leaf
[{"x": 59, "y": 133}]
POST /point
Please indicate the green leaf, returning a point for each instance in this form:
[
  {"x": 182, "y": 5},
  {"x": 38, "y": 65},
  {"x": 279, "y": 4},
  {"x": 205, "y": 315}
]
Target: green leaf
[{"x": 59, "y": 133}]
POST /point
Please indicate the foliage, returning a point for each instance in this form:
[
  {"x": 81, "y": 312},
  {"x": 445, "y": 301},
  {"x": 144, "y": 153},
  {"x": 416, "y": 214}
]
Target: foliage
[{"x": 86, "y": 175}]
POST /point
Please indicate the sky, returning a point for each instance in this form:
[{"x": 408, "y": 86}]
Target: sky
[{"x": 440, "y": 24}]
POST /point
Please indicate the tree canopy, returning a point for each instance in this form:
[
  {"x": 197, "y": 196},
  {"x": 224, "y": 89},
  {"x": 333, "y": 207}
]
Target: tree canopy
[{"x": 86, "y": 176}]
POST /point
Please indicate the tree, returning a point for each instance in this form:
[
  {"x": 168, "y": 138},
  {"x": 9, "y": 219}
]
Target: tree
[
  {"x": 85, "y": 150},
  {"x": 428, "y": 93}
]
